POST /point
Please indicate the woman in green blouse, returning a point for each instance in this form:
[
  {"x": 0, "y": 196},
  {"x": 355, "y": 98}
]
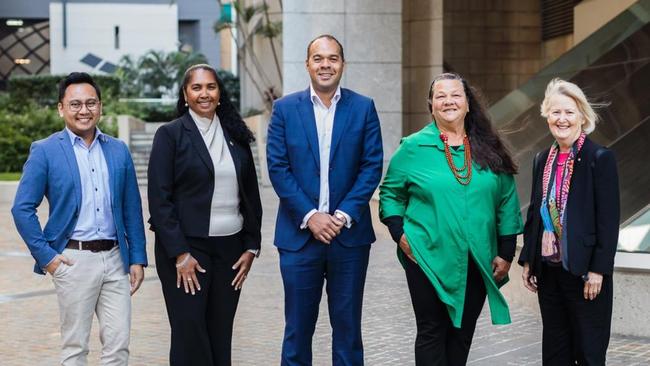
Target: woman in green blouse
[{"x": 449, "y": 201}]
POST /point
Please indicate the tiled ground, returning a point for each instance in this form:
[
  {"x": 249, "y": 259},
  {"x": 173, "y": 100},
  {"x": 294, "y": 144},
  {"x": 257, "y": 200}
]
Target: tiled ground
[{"x": 29, "y": 317}]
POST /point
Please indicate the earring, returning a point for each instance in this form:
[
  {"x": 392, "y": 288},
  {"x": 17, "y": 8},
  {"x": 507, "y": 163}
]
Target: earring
[
  {"x": 186, "y": 104},
  {"x": 218, "y": 103}
]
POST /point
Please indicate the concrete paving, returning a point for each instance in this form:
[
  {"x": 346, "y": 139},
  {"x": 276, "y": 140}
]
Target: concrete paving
[{"x": 29, "y": 331}]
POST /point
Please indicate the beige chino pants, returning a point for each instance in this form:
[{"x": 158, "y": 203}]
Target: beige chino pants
[{"x": 94, "y": 284}]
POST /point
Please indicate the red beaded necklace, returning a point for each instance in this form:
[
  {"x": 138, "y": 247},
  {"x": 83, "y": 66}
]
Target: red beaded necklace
[{"x": 467, "y": 177}]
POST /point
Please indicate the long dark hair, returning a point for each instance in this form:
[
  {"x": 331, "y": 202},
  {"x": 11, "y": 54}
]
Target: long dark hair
[
  {"x": 487, "y": 148},
  {"x": 230, "y": 119}
]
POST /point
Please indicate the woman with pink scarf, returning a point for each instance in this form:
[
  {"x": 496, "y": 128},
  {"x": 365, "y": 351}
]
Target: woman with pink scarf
[{"x": 571, "y": 232}]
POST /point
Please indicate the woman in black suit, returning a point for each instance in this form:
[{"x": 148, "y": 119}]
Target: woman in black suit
[
  {"x": 206, "y": 213},
  {"x": 571, "y": 232}
]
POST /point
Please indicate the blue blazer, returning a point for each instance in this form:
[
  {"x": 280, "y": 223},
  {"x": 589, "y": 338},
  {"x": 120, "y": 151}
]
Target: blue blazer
[
  {"x": 356, "y": 158},
  {"x": 51, "y": 171}
]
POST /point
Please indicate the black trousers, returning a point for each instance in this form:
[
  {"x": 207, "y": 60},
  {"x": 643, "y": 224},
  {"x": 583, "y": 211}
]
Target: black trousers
[
  {"x": 575, "y": 331},
  {"x": 201, "y": 324},
  {"x": 438, "y": 342}
]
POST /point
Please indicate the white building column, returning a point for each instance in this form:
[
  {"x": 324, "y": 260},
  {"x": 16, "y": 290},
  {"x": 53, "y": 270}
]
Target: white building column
[{"x": 371, "y": 34}]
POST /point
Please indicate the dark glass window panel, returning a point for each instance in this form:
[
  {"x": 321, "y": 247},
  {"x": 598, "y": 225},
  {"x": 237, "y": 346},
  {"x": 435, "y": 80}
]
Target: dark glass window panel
[
  {"x": 108, "y": 67},
  {"x": 91, "y": 60},
  {"x": 31, "y": 41}
]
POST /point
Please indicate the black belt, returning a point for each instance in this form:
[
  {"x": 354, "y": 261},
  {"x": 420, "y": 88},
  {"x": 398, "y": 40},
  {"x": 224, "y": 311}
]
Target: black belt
[{"x": 92, "y": 245}]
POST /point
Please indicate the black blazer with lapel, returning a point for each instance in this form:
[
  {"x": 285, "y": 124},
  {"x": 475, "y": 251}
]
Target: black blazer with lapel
[
  {"x": 181, "y": 184},
  {"x": 593, "y": 213}
]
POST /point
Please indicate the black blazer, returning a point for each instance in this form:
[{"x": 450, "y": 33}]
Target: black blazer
[
  {"x": 181, "y": 183},
  {"x": 593, "y": 213}
]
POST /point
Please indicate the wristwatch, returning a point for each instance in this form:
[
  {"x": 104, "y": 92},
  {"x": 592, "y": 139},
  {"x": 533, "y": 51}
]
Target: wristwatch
[{"x": 341, "y": 217}]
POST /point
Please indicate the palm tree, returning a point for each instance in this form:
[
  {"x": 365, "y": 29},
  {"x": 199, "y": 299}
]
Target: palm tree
[
  {"x": 253, "y": 21},
  {"x": 156, "y": 74}
]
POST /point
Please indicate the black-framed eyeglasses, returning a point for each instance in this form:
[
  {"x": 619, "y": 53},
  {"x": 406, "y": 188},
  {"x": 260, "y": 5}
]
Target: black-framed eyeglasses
[{"x": 91, "y": 105}]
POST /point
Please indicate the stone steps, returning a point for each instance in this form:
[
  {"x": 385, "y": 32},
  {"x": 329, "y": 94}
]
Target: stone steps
[{"x": 140, "y": 146}]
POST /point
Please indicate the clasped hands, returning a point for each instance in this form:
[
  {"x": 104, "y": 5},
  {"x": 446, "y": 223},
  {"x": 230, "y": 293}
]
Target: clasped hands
[
  {"x": 187, "y": 266},
  {"x": 324, "y": 226}
]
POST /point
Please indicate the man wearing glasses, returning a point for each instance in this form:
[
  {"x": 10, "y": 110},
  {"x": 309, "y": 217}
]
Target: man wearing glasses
[{"x": 93, "y": 243}]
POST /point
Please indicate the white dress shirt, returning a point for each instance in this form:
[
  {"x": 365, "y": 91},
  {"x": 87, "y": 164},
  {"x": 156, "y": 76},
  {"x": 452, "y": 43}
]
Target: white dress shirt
[{"x": 324, "y": 123}]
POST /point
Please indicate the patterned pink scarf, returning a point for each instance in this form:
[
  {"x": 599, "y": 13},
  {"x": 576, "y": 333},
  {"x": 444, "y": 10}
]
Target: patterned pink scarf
[{"x": 554, "y": 203}]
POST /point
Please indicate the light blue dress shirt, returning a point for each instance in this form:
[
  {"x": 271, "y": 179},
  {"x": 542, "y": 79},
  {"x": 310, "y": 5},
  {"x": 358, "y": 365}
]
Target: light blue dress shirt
[{"x": 96, "y": 214}]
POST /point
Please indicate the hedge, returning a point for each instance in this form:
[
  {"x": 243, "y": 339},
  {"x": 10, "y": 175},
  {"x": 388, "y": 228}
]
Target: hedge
[
  {"x": 19, "y": 128},
  {"x": 148, "y": 112},
  {"x": 231, "y": 83},
  {"x": 44, "y": 89}
]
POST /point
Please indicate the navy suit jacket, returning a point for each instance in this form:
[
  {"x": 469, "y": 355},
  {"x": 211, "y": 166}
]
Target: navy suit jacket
[
  {"x": 355, "y": 168},
  {"x": 51, "y": 171},
  {"x": 181, "y": 184}
]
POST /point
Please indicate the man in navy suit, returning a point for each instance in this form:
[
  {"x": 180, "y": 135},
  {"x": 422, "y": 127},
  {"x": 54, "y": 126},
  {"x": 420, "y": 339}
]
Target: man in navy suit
[
  {"x": 93, "y": 243},
  {"x": 324, "y": 154}
]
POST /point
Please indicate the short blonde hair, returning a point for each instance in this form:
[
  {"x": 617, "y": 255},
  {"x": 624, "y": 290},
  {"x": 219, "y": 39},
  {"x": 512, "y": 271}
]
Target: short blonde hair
[{"x": 571, "y": 90}]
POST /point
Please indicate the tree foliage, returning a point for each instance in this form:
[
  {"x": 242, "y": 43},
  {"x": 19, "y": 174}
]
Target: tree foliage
[
  {"x": 254, "y": 21},
  {"x": 24, "y": 122},
  {"x": 155, "y": 74}
]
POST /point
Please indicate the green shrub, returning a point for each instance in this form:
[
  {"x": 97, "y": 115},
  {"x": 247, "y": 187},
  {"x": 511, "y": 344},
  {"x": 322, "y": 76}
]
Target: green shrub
[
  {"x": 18, "y": 129},
  {"x": 10, "y": 176},
  {"x": 148, "y": 112},
  {"x": 231, "y": 83},
  {"x": 44, "y": 89}
]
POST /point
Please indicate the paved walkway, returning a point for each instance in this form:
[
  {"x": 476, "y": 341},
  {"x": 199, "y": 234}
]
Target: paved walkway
[{"x": 29, "y": 333}]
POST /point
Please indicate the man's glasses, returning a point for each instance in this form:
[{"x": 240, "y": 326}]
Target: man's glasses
[{"x": 91, "y": 104}]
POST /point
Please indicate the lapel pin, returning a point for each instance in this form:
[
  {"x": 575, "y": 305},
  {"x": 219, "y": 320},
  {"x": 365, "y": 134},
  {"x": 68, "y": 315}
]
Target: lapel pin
[{"x": 231, "y": 144}]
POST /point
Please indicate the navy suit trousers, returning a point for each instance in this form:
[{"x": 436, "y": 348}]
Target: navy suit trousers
[{"x": 304, "y": 272}]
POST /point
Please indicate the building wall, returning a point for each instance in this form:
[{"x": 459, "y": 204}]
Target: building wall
[
  {"x": 593, "y": 14},
  {"x": 371, "y": 34},
  {"x": 422, "y": 29},
  {"x": 90, "y": 29},
  {"x": 495, "y": 45},
  {"x": 205, "y": 13},
  {"x": 263, "y": 69},
  {"x": 158, "y": 31}
]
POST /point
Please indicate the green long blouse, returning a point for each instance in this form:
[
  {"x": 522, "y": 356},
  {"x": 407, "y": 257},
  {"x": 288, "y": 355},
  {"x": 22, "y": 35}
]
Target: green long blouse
[{"x": 444, "y": 220}]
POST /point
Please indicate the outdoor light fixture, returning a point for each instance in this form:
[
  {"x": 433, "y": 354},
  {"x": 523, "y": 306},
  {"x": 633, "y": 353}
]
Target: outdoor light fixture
[
  {"x": 22, "y": 61},
  {"x": 15, "y": 22}
]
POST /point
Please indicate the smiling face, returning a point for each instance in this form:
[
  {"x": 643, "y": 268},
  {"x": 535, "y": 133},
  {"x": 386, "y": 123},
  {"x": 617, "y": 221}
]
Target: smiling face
[
  {"x": 564, "y": 120},
  {"x": 325, "y": 65},
  {"x": 202, "y": 93},
  {"x": 449, "y": 102},
  {"x": 73, "y": 108}
]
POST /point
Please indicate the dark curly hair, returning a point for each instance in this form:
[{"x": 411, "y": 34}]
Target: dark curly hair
[
  {"x": 487, "y": 148},
  {"x": 228, "y": 115}
]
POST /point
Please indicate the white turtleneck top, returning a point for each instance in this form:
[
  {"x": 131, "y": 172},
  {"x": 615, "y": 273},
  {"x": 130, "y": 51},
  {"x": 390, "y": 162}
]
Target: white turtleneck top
[{"x": 225, "y": 217}]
